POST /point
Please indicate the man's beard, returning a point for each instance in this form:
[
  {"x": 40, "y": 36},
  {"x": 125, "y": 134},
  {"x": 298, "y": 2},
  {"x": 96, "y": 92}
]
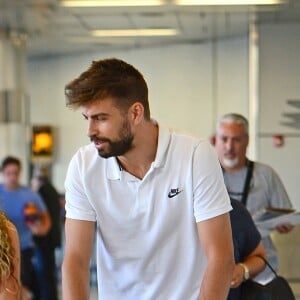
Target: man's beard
[
  {"x": 230, "y": 163},
  {"x": 120, "y": 146}
]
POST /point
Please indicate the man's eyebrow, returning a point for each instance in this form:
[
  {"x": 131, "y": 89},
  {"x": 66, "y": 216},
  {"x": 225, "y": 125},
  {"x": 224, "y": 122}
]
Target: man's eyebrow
[{"x": 96, "y": 115}]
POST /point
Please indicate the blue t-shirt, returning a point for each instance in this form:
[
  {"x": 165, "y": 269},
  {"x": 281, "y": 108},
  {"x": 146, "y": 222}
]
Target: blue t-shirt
[{"x": 13, "y": 203}]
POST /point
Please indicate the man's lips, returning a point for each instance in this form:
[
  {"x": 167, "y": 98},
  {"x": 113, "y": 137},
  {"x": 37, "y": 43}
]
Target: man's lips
[
  {"x": 230, "y": 155},
  {"x": 99, "y": 142}
]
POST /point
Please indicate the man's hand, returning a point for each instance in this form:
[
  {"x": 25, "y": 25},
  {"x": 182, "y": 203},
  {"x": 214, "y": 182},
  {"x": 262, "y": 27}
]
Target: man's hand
[
  {"x": 284, "y": 227},
  {"x": 238, "y": 276},
  {"x": 42, "y": 225}
]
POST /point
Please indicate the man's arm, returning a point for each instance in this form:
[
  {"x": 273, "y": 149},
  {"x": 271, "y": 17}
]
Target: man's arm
[
  {"x": 216, "y": 240},
  {"x": 253, "y": 262},
  {"x": 76, "y": 262}
]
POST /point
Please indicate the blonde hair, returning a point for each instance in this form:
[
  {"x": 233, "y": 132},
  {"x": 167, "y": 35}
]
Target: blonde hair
[{"x": 7, "y": 253}]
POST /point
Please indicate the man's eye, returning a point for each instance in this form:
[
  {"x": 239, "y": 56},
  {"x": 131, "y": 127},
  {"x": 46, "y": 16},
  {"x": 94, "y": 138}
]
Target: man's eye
[
  {"x": 100, "y": 118},
  {"x": 238, "y": 140}
]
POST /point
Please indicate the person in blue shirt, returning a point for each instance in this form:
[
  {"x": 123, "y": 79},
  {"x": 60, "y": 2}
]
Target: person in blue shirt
[
  {"x": 26, "y": 210},
  {"x": 47, "y": 244}
]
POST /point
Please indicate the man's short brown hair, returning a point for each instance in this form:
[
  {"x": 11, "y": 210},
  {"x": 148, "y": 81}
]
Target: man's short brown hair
[{"x": 109, "y": 78}]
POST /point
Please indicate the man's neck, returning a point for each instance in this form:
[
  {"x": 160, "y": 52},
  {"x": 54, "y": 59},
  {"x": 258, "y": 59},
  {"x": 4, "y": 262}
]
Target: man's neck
[
  {"x": 11, "y": 188},
  {"x": 138, "y": 160}
]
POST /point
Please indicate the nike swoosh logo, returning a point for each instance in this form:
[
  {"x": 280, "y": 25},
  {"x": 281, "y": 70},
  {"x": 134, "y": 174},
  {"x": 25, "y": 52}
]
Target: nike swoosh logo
[{"x": 174, "y": 192}]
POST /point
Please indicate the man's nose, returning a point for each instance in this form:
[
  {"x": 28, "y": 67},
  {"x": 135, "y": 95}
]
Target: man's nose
[
  {"x": 229, "y": 144},
  {"x": 91, "y": 128}
]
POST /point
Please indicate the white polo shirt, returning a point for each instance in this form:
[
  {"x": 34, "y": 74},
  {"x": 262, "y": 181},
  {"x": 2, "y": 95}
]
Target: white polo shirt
[{"x": 147, "y": 240}]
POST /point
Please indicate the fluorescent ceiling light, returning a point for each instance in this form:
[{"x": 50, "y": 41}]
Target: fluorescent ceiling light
[
  {"x": 111, "y": 3},
  {"x": 133, "y": 32},
  {"x": 228, "y": 2},
  {"x": 95, "y": 40}
]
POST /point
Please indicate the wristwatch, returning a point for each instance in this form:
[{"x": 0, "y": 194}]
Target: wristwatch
[{"x": 246, "y": 271}]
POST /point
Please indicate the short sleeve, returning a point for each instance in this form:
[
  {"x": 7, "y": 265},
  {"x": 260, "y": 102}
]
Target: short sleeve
[
  {"x": 210, "y": 196},
  {"x": 77, "y": 203}
]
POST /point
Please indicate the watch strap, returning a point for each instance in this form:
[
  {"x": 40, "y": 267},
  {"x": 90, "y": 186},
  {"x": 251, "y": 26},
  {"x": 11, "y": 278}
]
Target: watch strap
[{"x": 246, "y": 274}]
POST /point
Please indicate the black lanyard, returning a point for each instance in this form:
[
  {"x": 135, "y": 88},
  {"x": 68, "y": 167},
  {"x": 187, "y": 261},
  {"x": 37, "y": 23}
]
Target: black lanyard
[
  {"x": 245, "y": 192},
  {"x": 250, "y": 165}
]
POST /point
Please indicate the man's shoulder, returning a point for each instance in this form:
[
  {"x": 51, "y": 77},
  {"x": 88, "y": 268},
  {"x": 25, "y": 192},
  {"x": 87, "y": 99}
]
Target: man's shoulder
[
  {"x": 263, "y": 168},
  {"x": 86, "y": 149},
  {"x": 86, "y": 153},
  {"x": 179, "y": 142},
  {"x": 26, "y": 190},
  {"x": 186, "y": 138},
  {"x": 87, "y": 158}
]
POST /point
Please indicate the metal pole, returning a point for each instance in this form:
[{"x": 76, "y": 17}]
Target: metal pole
[{"x": 253, "y": 149}]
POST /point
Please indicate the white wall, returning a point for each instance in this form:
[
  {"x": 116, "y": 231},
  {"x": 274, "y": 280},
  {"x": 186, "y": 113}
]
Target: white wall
[
  {"x": 14, "y": 132},
  {"x": 181, "y": 83},
  {"x": 233, "y": 77},
  {"x": 279, "y": 81}
]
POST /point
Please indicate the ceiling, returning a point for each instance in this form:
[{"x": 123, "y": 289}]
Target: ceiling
[{"x": 51, "y": 29}]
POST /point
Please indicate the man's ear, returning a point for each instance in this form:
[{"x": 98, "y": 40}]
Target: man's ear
[{"x": 136, "y": 112}]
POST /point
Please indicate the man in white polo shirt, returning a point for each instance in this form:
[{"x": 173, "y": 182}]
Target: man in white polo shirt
[{"x": 157, "y": 198}]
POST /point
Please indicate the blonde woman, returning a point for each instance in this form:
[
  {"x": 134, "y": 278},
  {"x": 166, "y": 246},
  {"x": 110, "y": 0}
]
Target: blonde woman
[{"x": 9, "y": 260}]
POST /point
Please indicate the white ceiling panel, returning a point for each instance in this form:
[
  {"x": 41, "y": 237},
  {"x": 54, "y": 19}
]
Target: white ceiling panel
[{"x": 55, "y": 30}]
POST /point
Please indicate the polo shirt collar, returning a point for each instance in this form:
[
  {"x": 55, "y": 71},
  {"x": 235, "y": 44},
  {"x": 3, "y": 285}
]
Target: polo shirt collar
[
  {"x": 164, "y": 138},
  {"x": 113, "y": 168}
]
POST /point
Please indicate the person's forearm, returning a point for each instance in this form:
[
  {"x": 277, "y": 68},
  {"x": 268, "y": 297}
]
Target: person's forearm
[
  {"x": 75, "y": 282},
  {"x": 216, "y": 281},
  {"x": 255, "y": 265},
  {"x": 45, "y": 224},
  {"x": 42, "y": 226}
]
